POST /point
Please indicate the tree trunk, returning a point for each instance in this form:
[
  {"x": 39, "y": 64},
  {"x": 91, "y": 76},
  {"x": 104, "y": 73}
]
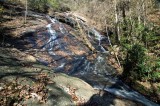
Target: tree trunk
[
  {"x": 116, "y": 23},
  {"x": 144, "y": 12},
  {"x": 25, "y": 20}
]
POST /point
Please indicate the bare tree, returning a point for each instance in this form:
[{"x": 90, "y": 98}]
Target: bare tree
[
  {"x": 26, "y": 5},
  {"x": 116, "y": 21}
]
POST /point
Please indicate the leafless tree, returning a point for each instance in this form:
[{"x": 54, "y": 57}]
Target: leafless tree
[{"x": 26, "y": 6}]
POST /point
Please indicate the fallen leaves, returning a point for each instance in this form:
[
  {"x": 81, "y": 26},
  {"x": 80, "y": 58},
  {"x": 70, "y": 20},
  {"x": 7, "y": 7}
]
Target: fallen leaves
[
  {"x": 14, "y": 93},
  {"x": 79, "y": 101}
]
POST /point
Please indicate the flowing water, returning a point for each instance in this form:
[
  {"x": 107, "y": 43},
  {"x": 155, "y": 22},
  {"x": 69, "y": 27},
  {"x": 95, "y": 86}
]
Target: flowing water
[
  {"x": 62, "y": 51},
  {"x": 98, "y": 73}
]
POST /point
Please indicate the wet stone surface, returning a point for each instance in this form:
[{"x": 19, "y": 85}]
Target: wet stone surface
[{"x": 54, "y": 46}]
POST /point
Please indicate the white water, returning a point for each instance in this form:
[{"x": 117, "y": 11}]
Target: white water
[
  {"x": 62, "y": 29},
  {"x": 51, "y": 19},
  {"x": 51, "y": 42},
  {"x": 52, "y": 36},
  {"x": 132, "y": 95},
  {"x": 99, "y": 38}
]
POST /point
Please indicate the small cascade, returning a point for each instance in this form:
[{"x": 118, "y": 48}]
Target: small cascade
[
  {"x": 62, "y": 29},
  {"x": 128, "y": 94},
  {"x": 97, "y": 35},
  {"x": 101, "y": 77},
  {"x": 53, "y": 20},
  {"x": 99, "y": 38},
  {"x": 52, "y": 39}
]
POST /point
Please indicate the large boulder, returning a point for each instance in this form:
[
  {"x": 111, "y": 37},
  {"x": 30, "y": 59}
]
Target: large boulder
[{"x": 30, "y": 83}]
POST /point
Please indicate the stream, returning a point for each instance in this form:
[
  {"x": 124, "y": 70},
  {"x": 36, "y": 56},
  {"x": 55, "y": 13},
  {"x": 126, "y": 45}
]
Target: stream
[{"x": 59, "y": 49}]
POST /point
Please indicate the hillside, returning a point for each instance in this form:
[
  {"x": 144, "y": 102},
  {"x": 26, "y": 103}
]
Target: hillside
[{"x": 79, "y": 53}]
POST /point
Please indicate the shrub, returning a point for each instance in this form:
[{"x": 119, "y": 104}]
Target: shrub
[
  {"x": 1, "y": 10},
  {"x": 44, "y": 5},
  {"x": 38, "y": 5},
  {"x": 135, "y": 63},
  {"x": 155, "y": 74}
]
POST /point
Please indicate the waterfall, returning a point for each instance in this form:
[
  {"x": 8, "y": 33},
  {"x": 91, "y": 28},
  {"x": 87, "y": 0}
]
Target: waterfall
[
  {"x": 99, "y": 38},
  {"x": 96, "y": 71},
  {"x": 49, "y": 45}
]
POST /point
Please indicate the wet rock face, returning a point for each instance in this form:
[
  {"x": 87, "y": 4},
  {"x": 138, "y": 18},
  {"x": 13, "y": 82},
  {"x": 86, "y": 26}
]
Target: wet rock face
[
  {"x": 58, "y": 46},
  {"x": 58, "y": 50}
]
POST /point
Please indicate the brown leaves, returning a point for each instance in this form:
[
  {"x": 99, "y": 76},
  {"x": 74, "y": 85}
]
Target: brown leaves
[
  {"x": 72, "y": 92},
  {"x": 16, "y": 93}
]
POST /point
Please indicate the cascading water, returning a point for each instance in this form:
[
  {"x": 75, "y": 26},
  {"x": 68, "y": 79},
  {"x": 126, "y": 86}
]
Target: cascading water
[
  {"x": 52, "y": 35},
  {"x": 99, "y": 38},
  {"x": 62, "y": 28},
  {"x": 94, "y": 71},
  {"x": 99, "y": 68},
  {"x": 53, "y": 39},
  {"x": 101, "y": 77}
]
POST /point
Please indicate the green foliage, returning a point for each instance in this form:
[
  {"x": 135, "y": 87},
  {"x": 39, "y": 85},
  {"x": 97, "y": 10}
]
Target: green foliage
[
  {"x": 140, "y": 66},
  {"x": 155, "y": 76},
  {"x": 39, "y": 5},
  {"x": 137, "y": 32},
  {"x": 135, "y": 62},
  {"x": 1, "y": 10},
  {"x": 54, "y": 4},
  {"x": 137, "y": 40},
  {"x": 43, "y": 5}
]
